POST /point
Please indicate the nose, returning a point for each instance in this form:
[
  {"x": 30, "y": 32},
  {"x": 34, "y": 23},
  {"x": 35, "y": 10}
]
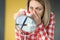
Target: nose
[{"x": 34, "y": 11}]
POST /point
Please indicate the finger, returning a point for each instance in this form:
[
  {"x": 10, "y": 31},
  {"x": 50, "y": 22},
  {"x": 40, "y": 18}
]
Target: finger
[
  {"x": 35, "y": 14},
  {"x": 16, "y": 15}
]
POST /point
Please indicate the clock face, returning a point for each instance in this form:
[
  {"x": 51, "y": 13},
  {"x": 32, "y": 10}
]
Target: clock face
[{"x": 26, "y": 23}]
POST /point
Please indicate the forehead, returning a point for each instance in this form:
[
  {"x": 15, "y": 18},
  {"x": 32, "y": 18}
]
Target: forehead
[{"x": 35, "y": 3}]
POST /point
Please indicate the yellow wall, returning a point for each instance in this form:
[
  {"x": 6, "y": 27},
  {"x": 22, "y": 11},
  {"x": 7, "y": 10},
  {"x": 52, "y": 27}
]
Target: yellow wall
[{"x": 11, "y": 6}]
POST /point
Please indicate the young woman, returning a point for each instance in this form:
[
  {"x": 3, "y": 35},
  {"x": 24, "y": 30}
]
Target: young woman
[{"x": 41, "y": 13}]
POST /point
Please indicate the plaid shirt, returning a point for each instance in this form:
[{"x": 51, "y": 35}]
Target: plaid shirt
[{"x": 41, "y": 33}]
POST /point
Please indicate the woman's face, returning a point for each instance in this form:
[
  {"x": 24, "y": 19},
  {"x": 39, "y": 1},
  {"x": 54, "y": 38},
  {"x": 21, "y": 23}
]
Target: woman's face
[{"x": 36, "y": 9}]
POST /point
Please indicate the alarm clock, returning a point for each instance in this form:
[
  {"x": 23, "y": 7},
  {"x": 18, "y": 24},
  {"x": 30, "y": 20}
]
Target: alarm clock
[{"x": 26, "y": 23}]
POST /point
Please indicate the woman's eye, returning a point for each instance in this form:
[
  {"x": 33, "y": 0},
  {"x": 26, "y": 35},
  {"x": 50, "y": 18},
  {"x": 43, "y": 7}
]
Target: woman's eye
[
  {"x": 38, "y": 9},
  {"x": 31, "y": 7}
]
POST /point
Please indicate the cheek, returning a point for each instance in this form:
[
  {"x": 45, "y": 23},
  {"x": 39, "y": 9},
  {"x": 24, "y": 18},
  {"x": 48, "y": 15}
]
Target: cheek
[{"x": 40, "y": 13}]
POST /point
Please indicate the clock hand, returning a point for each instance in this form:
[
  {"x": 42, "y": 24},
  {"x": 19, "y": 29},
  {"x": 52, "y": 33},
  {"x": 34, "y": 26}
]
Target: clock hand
[
  {"x": 24, "y": 22},
  {"x": 21, "y": 24}
]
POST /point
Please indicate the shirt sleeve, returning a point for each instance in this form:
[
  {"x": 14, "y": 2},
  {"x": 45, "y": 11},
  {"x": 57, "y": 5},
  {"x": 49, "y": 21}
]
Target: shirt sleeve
[
  {"x": 17, "y": 33},
  {"x": 51, "y": 26}
]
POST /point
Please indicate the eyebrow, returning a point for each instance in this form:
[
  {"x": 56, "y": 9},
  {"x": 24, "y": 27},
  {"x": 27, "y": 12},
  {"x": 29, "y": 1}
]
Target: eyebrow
[{"x": 36, "y": 7}]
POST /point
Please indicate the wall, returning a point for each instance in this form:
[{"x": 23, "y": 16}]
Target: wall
[
  {"x": 2, "y": 7},
  {"x": 11, "y": 6}
]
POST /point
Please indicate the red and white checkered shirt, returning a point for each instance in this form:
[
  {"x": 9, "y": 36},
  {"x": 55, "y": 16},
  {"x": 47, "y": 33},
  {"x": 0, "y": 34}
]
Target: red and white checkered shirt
[{"x": 41, "y": 33}]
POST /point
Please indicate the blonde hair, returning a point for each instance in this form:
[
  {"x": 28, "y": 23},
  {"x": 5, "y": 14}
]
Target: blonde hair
[{"x": 47, "y": 10}]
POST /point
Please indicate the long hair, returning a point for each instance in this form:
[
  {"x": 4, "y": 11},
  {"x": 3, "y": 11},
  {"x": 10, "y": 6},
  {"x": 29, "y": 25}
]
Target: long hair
[{"x": 47, "y": 10}]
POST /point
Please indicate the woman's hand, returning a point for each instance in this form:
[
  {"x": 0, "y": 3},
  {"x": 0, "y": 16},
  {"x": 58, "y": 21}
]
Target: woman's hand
[
  {"x": 36, "y": 17},
  {"x": 18, "y": 14}
]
